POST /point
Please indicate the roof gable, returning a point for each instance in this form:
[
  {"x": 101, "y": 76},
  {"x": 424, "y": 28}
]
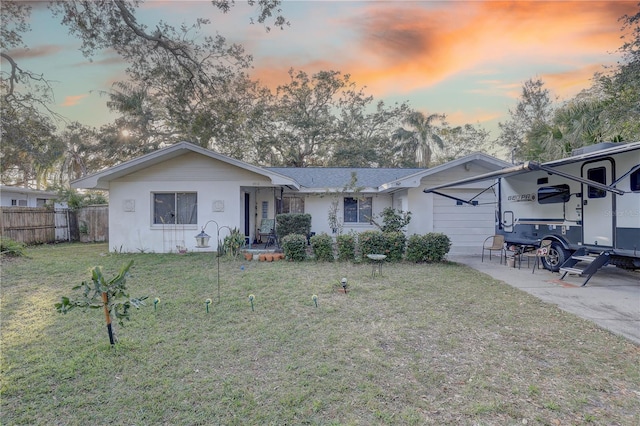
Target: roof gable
[
  {"x": 414, "y": 180},
  {"x": 101, "y": 179}
]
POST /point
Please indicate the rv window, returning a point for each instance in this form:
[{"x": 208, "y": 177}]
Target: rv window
[
  {"x": 599, "y": 174},
  {"x": 553, "y": 194},
  {"x": 635, "y": 181}
]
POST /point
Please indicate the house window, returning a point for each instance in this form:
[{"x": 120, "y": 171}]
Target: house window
[
  {"x": 293, "y": 205},
  {"x": 598, "y": 174},
  {"x": 554, "y": 194},
  {"x": 41, "y": 202},
  {"x": 175, "y": 208},
  {"x": 357, "y": 210},
  {"x": 265, "y": 209}
]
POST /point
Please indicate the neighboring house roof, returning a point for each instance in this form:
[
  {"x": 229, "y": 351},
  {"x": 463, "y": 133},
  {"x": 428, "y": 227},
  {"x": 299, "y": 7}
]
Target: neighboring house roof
[
  {"x": 21, "y": 190},
  {"x": 101, "y": 179},
  {"x": 323, "y": 178}
]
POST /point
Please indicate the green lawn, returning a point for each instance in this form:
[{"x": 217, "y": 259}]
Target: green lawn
[{"x": 424, "y": 344}]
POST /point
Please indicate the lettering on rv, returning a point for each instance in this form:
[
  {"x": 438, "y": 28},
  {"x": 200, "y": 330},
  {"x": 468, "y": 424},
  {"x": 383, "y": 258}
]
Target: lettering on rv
[{"x": 522, "y": 197}]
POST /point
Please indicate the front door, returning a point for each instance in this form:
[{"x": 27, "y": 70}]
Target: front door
[
  {"x": 247, "y": 216},
  {"x": 597, "y": 205}
]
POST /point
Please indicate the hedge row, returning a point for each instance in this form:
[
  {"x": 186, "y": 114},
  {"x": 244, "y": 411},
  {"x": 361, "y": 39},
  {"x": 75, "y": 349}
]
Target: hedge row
[{"x": 432, "y": 247}]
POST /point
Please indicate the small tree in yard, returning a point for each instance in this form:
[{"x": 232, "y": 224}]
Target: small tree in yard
[
  {"x": 110, "y": 295},
  {"x": 392, "y": 220}
]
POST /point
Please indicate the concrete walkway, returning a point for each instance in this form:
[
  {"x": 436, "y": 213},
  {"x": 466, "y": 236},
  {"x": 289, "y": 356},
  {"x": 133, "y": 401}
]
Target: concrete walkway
[{"x": 610, "y": 299}]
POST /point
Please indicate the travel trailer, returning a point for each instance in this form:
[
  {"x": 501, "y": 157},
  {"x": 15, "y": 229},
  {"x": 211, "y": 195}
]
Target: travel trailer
[{"x": 587, "y": 207}]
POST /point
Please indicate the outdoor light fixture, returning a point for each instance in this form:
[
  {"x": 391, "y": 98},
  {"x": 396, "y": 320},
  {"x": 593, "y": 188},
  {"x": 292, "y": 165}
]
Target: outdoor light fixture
[
  {"x": 344, "y": 284},
  {"x": 202, "y": 239}
]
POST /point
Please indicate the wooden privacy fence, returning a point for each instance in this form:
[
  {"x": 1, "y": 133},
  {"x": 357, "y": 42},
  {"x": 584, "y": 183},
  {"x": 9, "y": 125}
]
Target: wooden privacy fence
[
  {"x": 93, "y": 223},
  {"x": 34, "y": 225},
  {"x": 28, "y": 224}
]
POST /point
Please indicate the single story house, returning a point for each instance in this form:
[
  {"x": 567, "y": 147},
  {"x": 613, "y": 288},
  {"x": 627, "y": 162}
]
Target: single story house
[
  {"x": 15, "y": 196},
  {"x": 160, "y": 201}
]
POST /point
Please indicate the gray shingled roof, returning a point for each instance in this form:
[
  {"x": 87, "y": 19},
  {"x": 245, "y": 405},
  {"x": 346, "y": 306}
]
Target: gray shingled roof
[{"x": 339, "y": 177}]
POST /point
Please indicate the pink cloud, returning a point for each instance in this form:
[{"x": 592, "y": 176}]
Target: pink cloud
[
  {"x": 70, "y": 101},
  {"x": 568, "y": 84},
  {"x": 36, "y": 52},
  {"x": 402, "y": 47},
  {"x": 425, "y": 46}
]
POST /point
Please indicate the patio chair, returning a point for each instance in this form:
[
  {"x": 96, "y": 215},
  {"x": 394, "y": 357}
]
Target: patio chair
[
  {"x": 494, "y": 243},
  {"x": 538, "y": 254},
  {"x": 268, "y": 230}
]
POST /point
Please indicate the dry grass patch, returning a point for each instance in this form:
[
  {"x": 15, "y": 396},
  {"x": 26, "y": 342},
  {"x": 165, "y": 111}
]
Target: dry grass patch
[{"x": 424, "y": 344}]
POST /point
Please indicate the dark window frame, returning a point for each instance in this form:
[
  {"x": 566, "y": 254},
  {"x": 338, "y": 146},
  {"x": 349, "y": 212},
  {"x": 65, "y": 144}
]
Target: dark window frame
[
  {"x": 634, "y": 181},
  {"x": 168, "y": 208},
  {"x": 597, "y": 174},
  {"x": 287, "y": 202},
  {"x": 361, "y": 207}
]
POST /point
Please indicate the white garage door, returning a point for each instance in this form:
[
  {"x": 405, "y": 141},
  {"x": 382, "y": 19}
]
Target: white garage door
[{"x": 466, "y": 226}]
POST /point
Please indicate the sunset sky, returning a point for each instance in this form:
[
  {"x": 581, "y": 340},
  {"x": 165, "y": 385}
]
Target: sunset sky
[{"x": 466, "y": 59}]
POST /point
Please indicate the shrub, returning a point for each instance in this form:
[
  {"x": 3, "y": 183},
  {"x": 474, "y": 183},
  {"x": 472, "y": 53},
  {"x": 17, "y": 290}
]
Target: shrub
[
  {"x": 394, "y": 243},
  {"x": 233, "y": 243},
  {"x": 371, "y": 242},
  {"x": 432, "y": 247},
  {"x": 392, "y": 220},
  {"x": 295, "y": 247},
  {"x": 293, "y": 223},
  {"x": 322, "y": 247},
  {"x": 9, "y": 247},
  {"x": 346, "y": 244}
]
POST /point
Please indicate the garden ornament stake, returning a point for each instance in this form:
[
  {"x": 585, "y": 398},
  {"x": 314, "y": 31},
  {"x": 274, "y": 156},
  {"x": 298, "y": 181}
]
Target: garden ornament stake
[
  {"x": 207, "y": 303},
  {"x": 344, "y": 285},
  {"x": 251, "y": 297},
  {"x": 202, "y": 241},
  {"x": 315, "y": 299}
]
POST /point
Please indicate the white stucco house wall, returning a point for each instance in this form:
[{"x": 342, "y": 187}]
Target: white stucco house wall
[
  {"x": 14, "y": 196},
  {"x": 160, "y": 201}
]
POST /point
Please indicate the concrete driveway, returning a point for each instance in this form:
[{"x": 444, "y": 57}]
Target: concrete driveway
[{"x": 610, "y": 299}]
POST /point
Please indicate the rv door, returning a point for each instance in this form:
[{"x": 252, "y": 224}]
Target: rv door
[{"x": 597, "y": 205}]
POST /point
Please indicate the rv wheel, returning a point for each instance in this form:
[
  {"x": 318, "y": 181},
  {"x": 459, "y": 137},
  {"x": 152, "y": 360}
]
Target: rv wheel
[{"x": 556, "y": 257}]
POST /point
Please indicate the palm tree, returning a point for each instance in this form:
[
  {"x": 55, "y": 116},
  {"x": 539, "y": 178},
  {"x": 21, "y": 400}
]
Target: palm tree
[{"x": 420, "y": 141}]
